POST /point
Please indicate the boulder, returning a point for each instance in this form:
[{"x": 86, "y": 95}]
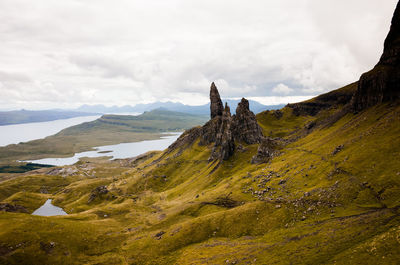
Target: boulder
[{"x": 265, "y": 151}]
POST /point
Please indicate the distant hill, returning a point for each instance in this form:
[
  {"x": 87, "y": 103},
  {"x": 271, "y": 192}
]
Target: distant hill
[
  {"x": 255, "y": 106},
  {"x": 26, "y": 116},
  {"x": 155, "y": 121},
  {"x": 107, "y": 130}
]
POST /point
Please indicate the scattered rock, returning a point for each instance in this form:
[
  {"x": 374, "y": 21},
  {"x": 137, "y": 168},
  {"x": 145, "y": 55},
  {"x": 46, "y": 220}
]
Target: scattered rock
[
  {"x": 97, "y": 192},
  {"x": 47, "y": 247},
  {"x": 281, "y": 182},
  {"x": 338, "y": 149},
  {"x": 310, "y": 125},
  {"x": 63, "y": 171},
  {"x": 226, "y": 202},
  {"x": 13, "y": 208},
  {"x": 159, "y": 235},
  {"x": 44, "y": 190}
]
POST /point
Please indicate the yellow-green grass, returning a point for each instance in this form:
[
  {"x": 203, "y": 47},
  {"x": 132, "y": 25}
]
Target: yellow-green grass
[{"x": 321, "y": 207}]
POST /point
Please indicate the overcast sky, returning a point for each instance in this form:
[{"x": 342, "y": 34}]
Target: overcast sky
[{"x": 116, "y": 52}]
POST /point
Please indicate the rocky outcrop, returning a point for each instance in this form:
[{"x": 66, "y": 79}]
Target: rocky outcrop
[
  {"x": 382, "y": 84},
  {"x": 245, "y": 126},
  {"x": 265, "y": 151},
  {"x": 13, "y": 208},
  {"x": 223, "y": 131},
  {"x": 216, "y": 107},
  {"x": 97, "y": 192},
  {"x": 224, "y": 142}
]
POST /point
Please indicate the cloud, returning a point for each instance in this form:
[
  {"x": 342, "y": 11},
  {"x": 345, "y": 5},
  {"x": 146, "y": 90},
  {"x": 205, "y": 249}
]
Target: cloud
[
  {"x": 67, "y": 53},
  {"x": 282, "y": 89}
]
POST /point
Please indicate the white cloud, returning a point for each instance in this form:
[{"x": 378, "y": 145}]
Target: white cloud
[
  {"x": 282, "y": 89},
  {"x": 274, "y": 100},
  {"x": 97, "y": 51}
]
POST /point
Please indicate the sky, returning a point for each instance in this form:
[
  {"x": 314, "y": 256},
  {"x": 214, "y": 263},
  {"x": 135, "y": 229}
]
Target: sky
[{"x": 62, "y": 54}]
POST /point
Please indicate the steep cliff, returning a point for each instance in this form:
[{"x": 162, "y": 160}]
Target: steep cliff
[{"x": 382, "y": 84}]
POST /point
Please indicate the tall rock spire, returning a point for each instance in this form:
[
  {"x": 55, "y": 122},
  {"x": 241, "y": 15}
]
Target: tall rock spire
[
  {"x": 223, "y": 131},
  {"x": 382, "y": 84},
  {"x": 246, "y": 128},
  {"x": 216, "y": 106}
]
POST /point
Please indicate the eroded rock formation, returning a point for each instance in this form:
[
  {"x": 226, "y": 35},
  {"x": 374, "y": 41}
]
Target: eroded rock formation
[
  {"x": 216, "y": 107},
  {"x": 245, "y": 127},
  {"x": 382, "y": 84},
  {"x": 224, "y": 142},
  {"x": 223, "y": 131}
]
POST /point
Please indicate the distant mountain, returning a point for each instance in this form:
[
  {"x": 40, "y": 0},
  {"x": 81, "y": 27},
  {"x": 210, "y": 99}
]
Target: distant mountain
[
  {"x": 26, "y": 116},
  {"x": 104, "y": 109},
  {"x": 255, "y": 106}
]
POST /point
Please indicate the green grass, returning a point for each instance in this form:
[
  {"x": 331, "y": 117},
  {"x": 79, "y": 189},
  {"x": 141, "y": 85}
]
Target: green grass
[{"x": 319, "y": 207}]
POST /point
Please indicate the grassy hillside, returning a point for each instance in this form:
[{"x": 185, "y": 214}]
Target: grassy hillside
[
  {"x": 107, "y": 130},
  {"x": 329, "y": 195}
]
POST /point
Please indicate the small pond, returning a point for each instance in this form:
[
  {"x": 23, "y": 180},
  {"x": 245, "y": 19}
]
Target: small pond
[{"x": 48, "y": 209}]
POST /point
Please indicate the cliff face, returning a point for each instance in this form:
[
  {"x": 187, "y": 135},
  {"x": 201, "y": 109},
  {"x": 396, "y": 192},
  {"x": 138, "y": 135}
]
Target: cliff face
[{"x": 382, "y": 84}]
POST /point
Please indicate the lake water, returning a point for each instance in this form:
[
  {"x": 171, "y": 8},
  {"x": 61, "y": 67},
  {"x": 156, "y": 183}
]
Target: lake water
[
  {"x": 48, "y": 209},
  {"x": 124, "y": 150},
  {"x": 14, "y": 134}
]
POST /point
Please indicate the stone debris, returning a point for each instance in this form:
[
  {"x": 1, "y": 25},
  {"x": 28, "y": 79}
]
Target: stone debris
[{"x": 97, "y": 192}]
